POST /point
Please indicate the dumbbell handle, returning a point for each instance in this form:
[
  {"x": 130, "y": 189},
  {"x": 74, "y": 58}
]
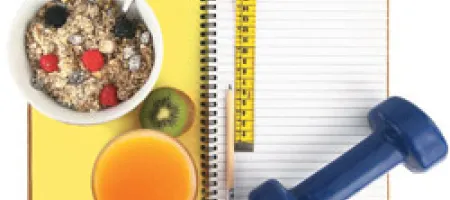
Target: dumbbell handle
[{"x": 345, "y": 176}]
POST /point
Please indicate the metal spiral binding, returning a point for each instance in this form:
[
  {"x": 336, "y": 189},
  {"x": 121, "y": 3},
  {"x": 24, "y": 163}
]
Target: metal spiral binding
[{"x": 208, "y": 96}]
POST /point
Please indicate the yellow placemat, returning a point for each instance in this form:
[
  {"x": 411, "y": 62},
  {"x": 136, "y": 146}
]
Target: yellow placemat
[{"x": 62, "y": 155}]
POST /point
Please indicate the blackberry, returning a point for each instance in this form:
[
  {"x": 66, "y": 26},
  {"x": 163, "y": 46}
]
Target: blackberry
[
  {"x": 56, "y": 16},
  {"x": 124, "y": 28}
]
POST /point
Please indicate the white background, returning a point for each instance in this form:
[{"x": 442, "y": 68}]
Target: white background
[{"x": 420, "y": 62}]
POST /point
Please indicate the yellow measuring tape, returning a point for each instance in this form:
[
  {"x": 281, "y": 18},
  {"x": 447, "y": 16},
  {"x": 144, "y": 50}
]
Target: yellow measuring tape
[{"x": 244, "y": 75}]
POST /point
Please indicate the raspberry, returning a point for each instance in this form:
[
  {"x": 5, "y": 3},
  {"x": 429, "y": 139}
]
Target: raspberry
[
  {"x": 49, "y": 63},
  {"x": 108, "y": 96},
  {"x": 93, "y": 60}
]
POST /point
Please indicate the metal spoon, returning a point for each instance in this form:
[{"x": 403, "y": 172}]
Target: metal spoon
[
  {"x": 126, "y": 6},
  {"x": 124, "y": 27}
]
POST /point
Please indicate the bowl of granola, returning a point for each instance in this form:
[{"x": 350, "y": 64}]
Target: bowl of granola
[{"x": 84, "y": 61}]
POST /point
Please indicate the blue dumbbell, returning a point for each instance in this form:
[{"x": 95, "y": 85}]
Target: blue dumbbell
[{"x": 401, "y": 133}]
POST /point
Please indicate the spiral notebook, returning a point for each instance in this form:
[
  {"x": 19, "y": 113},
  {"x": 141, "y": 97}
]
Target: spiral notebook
[{"x": 320, "y": 66}]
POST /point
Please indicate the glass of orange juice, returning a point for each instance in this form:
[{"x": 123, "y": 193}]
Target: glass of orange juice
[{"x": 144, "y": 165}]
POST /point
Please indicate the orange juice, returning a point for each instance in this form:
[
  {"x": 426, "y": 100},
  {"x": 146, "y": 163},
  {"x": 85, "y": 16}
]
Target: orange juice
[{"x": 144, "y": 165}]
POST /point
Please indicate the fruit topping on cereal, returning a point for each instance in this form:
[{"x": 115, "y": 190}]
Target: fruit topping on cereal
[
  {"x": 77, "y": 77},
  {"x": 124, "y": 28},
  {"x": 49, "y": 63},
  {"x": 134, "y": 63},
  {"x": 108, "y": 96},
  {"x": 76, "y": 39},
  {"x": 107, "y": 46},
  {"x": 56, "y": 16},
  {"x": 93, "y": 60},
  {"x": 145, "y": 37},
  {"x": 128, "y": 52}
]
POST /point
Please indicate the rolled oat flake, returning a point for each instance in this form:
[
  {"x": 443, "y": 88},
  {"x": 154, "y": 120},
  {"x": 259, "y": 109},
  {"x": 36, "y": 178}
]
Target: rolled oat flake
[
  {"x": 134, "y": 63},
  {"x": 76, "y": 39}
]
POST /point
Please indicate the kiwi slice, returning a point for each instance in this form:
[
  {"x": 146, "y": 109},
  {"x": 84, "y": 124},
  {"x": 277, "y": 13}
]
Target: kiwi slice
[{"x": 168, "y": 110}]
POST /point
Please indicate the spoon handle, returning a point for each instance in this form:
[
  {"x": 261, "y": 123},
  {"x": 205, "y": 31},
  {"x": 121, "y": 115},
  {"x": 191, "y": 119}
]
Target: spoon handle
[{"x": 126, "y": 5}]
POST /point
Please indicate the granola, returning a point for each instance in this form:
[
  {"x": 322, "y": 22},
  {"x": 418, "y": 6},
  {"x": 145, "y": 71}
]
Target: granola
[{"x": 74, "y": 58}]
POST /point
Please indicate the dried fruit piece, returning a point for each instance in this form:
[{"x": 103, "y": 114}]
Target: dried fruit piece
[
  {"x": 107, "y": 46},
  {"x": 93, "y": 60},
  {"x": 134, "y": 63},
  {"x": 128, "y": 52},
  {"x": 108, "y": 96},
  {"x": 145, "y": 37},
  {"x": 49, "y": 63},
  {"x": 76, "y": 39},
  {"x": 56, "y": 16},
  {"x": 77, "y": 77}
]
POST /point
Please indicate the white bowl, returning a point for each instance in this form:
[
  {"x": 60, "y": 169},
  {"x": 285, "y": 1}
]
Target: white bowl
[{"x": 21, "y": 70}]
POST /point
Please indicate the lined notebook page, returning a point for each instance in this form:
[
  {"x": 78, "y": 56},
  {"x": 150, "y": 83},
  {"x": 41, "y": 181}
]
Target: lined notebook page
[{"x": 320, "y": 67}]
